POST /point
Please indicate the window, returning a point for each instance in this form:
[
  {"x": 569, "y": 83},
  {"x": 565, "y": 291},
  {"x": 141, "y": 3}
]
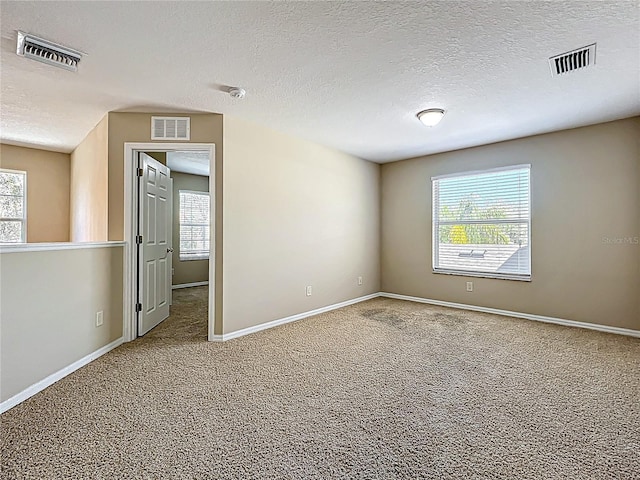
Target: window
[
  {"x": 482, "y": 223},
  {"x": 194, "y": 225},
  {"x": 13, "y": 206}
]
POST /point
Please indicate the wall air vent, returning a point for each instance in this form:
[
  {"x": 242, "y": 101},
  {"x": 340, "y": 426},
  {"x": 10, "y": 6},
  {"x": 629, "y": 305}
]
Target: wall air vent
[
  {"x": 170, "y": 128},
  {"x": 573, "y": 60},
  {"x": 44, "y": 51}
]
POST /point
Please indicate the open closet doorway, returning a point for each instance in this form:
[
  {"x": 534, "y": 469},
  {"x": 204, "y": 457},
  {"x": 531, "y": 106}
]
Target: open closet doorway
[{"x": 170, "y": 258}]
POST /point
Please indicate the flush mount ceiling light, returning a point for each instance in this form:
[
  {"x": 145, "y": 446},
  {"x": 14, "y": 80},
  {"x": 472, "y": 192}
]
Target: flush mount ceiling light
[{"x": 431, "y": 117}]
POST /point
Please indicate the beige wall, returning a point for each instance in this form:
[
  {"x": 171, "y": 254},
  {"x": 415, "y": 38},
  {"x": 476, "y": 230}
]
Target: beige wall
[
  {"x": 159, "y": 156},
  {"x": 585, "y": 186},
  {"x": 89, "y": 186},
  {"x": 296, "y": 214},
  {"x": 191, "y": 271},
  {"x": 136, "y": 127},
  {"x": 48, "y": 305},
  {"x": 48, "y": 176}
]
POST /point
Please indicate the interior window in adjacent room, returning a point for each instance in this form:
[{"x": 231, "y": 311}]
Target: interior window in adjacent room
[
  {"x": 194, "y": 225},
  {"x": 482, "y": 223},
  {"x": 13, "y": 206}
]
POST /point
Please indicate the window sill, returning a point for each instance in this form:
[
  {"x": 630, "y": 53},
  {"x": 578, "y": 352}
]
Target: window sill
[
  {"x": 193, "y": 258},
  {"x": 495, "y": 276}
]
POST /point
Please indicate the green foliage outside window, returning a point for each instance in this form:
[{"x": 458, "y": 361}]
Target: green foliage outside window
[{"x": 478, "y": 233}]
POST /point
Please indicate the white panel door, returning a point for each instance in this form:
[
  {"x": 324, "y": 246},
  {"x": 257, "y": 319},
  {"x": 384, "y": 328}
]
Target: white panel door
[{"x": 154, "y": 252}]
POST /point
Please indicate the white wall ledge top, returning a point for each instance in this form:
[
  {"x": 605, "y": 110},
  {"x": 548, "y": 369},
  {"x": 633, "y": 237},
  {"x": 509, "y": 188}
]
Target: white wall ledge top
[{"x": 43, "y": 247}]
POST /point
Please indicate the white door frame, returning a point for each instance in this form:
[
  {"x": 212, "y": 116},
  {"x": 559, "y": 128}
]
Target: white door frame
[{"x": 131, "y": 227}]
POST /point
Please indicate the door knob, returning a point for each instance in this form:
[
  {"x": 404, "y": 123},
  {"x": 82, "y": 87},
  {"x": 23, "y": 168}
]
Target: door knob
[{"x": 169, "y": 250}]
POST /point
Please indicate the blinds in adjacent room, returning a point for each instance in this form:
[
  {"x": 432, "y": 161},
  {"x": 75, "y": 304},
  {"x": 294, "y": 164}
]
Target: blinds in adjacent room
[
  {"x": 13, "y": 206},
  {"x": 194, "y": 225},
  {"x": 482, "y": 223}
]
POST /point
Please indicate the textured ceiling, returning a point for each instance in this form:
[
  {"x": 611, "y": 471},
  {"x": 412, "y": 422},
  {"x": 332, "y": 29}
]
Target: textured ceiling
[
  {"x": 349, "y": 75},
  {"x": 193, "y": 162}
]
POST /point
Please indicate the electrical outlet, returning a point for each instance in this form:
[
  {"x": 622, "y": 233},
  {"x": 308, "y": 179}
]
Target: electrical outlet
[
  {"x": 469, "y": 286},
  {"x": 359, "y": 280},
  {"x": 99, "y": 318},
  {"x": 308, "y": 290},
  {"x": 173, "y": 271}
]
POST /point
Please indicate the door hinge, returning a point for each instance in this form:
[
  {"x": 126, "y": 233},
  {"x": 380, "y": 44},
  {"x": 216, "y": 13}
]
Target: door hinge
[
  {"x": 139, "y": 239},
  {"x": 138, "y": 307},
  {"x": 140, "y": 172}
]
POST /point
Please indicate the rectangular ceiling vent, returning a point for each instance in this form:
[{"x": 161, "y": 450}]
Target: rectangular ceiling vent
[
  {"x": 44, "y": 51},
  {"x": 574, "y": 60},
  {"x": 170, "y": 128}
]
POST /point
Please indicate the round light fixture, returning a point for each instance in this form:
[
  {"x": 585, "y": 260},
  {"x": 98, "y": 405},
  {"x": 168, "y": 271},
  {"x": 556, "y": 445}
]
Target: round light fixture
[{"x": 431, "y": 116}]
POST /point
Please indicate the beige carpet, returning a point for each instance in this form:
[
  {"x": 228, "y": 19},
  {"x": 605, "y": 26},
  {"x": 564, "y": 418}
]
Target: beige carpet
[{"x": 384, "y": 389}]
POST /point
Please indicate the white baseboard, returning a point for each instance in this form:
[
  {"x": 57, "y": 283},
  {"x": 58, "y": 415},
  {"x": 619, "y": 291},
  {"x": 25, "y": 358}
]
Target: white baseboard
[
  {"x": 292, "y": 318},
  {"x": 54, "y": 377},
  {"x": 188, "y": 285},
  {"x": 462, "y": 306},
  {"x": 527, "y": 316}
]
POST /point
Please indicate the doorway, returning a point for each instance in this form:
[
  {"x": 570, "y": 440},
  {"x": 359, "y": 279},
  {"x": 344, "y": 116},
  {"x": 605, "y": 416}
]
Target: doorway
[{"x": 196, "y": 242}]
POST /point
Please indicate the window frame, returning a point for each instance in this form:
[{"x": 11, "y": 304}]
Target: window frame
[
  {"x": 23, "y": 219},
  {"x": 435, "y": 223},
  {"x": 192, "y": 257}
]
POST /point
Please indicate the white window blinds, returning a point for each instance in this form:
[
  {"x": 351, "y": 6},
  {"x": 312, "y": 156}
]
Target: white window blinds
[
  {"x": 194, "y": 225},
  {"x": 13, "y": 206},
  {"x": 482, "y": 223}
]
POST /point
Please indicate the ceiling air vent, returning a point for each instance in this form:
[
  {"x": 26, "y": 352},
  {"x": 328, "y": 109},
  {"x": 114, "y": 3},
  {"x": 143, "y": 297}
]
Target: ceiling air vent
[
  {"x": 170, "y": 128},
  {"x": 44, "y": 51},
  {"x": 573, "y": 60}
]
